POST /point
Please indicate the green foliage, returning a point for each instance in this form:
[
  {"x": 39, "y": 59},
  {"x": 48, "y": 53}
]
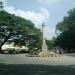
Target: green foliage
[
  {"x": 12, "y": 27},
  {"x": 36, "y": 43},
  {"x": 51, "y": 43},
  {"x": 17, "y": 51},
  {"x": 68, "y": 22},
  {"x": 66, "y": 37}
]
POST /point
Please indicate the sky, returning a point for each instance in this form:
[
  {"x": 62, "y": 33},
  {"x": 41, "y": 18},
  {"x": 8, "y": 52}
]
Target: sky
[{"x": 38, "y": 11}]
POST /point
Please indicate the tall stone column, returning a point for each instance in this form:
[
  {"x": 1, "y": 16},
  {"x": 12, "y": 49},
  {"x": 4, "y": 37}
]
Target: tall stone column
[{"x": 44, "y": 46}]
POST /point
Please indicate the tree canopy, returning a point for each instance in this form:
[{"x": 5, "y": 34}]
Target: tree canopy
[
  {"x": 68, "y": 22},
  {"x": 66, "y": 29},
  {"x": 16, "y": 29}
]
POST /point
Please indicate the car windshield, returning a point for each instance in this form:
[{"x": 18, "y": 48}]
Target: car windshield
[{"x": 37, "y": 37}]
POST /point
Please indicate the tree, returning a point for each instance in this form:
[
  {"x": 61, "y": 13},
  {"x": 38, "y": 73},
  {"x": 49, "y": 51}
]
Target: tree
[
  {"x": 66, "y": 29},
  {"x": 51, "y": 43},
  {"x": 16, "y": 29},
  {"x": 35, "y": 44},
  {"x": 67, "y": 23}
]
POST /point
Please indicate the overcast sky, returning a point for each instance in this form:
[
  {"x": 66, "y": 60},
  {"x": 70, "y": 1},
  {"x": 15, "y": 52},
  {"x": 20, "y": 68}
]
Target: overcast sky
[{"x": 49, "y": 11}]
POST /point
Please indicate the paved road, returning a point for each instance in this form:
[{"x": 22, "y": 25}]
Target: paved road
[
  {"x": 22, "y": 65},
  {"x": 70, "y": 54},
  {"x": 22, "y": 59}
]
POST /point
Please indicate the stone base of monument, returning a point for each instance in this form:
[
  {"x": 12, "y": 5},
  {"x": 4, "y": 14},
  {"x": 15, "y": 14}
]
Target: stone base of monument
[{"x": 47, "y": 54}]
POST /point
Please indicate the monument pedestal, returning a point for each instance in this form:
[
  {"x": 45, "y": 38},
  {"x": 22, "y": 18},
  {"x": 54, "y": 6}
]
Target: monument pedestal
[{"x": 44, "y": 52}]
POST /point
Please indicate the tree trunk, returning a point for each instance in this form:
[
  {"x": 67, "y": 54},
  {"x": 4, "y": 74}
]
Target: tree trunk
[
  {"x": 0, "y": 49},
  {"x": 5, "y": 40}
]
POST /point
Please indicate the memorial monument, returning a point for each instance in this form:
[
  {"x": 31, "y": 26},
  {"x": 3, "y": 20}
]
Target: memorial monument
[
  {"x": 44, "y": 52},
  {"x": 44, "y": 46}
]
